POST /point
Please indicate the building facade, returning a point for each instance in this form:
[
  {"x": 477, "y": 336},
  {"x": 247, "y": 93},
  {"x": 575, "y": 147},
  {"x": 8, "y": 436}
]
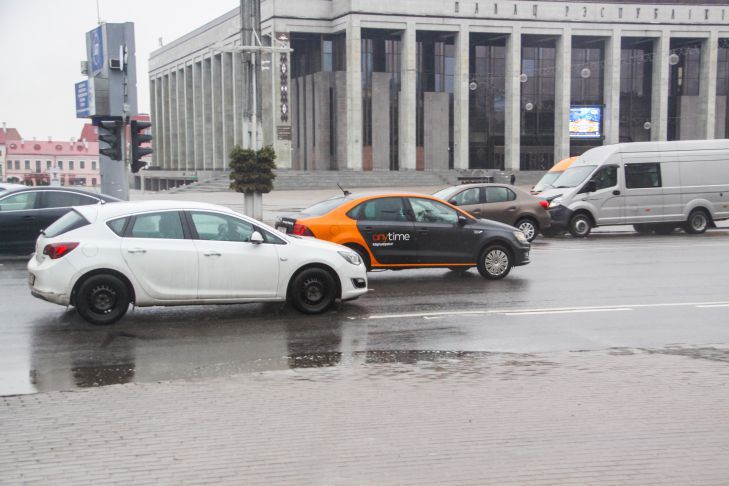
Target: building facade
[
  {"x": 70, "y": 163},
  {"x": 439, "y": 85}
]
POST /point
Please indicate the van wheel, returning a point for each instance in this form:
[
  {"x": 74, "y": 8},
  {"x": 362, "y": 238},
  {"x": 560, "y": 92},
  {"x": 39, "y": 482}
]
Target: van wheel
[
  {"x": 580, "y": 225},
  {"x": 313, "y": 291},
  {"x": 528, "y": 227},
  {"x": 697, "y": 222},
  {"x": 102, "y": 299},
  {"x": 495, "y": 262},
  {"x": 643, "y": 229}
]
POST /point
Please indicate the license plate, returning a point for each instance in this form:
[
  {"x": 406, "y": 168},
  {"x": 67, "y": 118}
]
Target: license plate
[{"x": 31, "y": 279}]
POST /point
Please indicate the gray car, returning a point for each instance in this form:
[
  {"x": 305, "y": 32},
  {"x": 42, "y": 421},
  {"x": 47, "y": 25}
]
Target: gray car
[{"x": 500, "y": 202}]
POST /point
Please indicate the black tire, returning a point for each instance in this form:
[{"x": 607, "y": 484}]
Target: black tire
[
  {"x": 529, "y": 227},
  {"x": 313, "y": 291},
  {"x": 102, "y": 299},
  {"x": 697, "y": 222},
  {"x": 580, "y": 225},
  {"x": 362, "y": 254},
  {"x": 495, "y": 262},
  {"x": 643, "y": 229}
]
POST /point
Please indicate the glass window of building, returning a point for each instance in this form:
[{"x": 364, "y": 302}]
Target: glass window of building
[
  {"x": 27, "y": 165},
  {"x": 70, "y": 165},
  {"x": 48, "y": 164},
  {"x": 537, "y": 102},
  {"x": 636, "y": 89},
  {"x": 684, "y": 102},
  {"x": 81, "y": 164},
  {"x": 37, "y": 166},
  {"x": 93, "y": 165},
  {"x": 587, "y": 80},
  {"x": 487, "y": 100}
]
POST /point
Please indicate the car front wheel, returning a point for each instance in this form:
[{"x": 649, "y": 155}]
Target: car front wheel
[
  {"x": 495, "y": 262},
  {"x": 580, "y": 225},
  {"x": 313, "y": 291},
  {"x": 102, "y": 299}
]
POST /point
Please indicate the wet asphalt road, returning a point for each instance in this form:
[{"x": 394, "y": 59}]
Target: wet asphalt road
[{"x": 613, "y": 289}]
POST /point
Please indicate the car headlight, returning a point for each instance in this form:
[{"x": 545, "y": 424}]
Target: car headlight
[
  {"x": 521, "y": 237},
  {"x": 351, "y": 257},
  {"x": 555, "y": 202}
]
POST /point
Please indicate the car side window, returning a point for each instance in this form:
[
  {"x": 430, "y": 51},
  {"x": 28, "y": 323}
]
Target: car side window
[
  {"x": 429, "y": 211},
  {"x": 58, "y": 199},
  {"x": 118, "y": 225},
  {"x": 380, "y": 209},
  {"x": 642, "y": 175},
  {"x": 468, "y": 197},
  {"x": 220, "y": 227},
  {"x": 499, "y": 194},
  {"x": 606, "y": 177},
  {"x": 166, "y": 225},
  {"x": 19, "y": 202}
]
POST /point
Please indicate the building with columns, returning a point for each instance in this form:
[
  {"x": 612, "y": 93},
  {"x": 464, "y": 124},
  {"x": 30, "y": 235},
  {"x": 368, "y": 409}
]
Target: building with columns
[{"x": 438, "y": 85}]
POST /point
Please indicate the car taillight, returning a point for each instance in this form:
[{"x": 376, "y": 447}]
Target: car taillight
[
  {"x": 301, "y": 230},
  {"x": 57, "y": 250},
  {"x": 544, "y": 204}
]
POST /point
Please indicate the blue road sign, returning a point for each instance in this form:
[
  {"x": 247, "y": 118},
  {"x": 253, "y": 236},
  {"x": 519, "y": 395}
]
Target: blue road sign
[
  {"x": 83, "y": 100},
  {"x": 97, "y": 51}
]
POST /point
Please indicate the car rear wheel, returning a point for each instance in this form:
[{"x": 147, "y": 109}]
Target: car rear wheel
[
  {"x": 697, "y": 223},
  {"x": 313, "y": 291},
  {"x": 495, "y": 262},
  {"x": 580, "y": 225},
  {"x": 528, "y": 227},
  {"x": 102, "y": 299}
]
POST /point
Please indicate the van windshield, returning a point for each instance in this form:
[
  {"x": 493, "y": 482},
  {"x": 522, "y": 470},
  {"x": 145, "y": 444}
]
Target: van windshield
[
  {"x": 574, "y": 176},
  {"x": 546, "y": 181}
]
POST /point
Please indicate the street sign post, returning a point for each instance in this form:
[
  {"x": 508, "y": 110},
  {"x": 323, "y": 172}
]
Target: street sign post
[{"x": 83, "y": 99}]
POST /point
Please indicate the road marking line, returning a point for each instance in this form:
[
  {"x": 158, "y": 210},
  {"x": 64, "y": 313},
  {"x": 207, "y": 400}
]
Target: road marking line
[
  {"x": 573, "y": 311},
  {"x": 480, "y": 312},
  {"x": 711, "y": 306}
]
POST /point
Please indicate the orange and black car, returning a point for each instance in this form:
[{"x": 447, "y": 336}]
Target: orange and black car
[{"x": 397, "y": 231}]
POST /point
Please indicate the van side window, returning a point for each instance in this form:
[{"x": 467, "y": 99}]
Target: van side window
[
  {"x": 642, "y": 175},
  {"x": 606, "y": 177}
]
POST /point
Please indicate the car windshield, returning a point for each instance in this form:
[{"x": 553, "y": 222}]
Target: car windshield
[
  {"x": 546, "y": 181},
  {"x": 574, "y": 176},
  {"x": 322, "y": 208},
  {"x": 446, "y": 193}
]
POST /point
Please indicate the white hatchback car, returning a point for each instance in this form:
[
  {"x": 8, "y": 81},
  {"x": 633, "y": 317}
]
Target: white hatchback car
[{"x": 103, "y": 257}]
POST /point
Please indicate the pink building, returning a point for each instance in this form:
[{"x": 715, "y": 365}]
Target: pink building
[{"x": 36, "y": 162}]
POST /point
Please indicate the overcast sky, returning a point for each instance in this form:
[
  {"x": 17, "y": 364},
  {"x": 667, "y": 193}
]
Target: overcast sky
[{"x": 43, "y": 42}]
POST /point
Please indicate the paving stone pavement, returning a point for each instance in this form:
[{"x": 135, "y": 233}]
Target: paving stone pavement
[{"x": 620, "y": 416}]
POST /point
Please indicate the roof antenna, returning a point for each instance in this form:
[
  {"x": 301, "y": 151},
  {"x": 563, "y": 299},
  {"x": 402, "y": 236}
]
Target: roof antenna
[{"x": 346, "y": 193}]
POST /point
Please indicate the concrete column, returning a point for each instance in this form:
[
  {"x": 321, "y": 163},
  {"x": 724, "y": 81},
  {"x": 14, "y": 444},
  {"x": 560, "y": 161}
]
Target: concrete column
[
  {"x": 562, "y": 95},
  {"x": 659, "y": 115},
  {"x": 181, "y": 161},
  {"x": 173, "y": 162},
  {"x": 189, "y": 120},
  {"x": 160, "y": 136},
  {"x": 197, "y": 90},
  {"x": 381, "y": 121},
  {"x": 709, "y": 61},
  {"x": 611, "y": 95},
  {"x": 408, "y": 107},
  {"x": 460, "y": 101},
  {"x": 207, "y": 110},
  {"x": 354, "y": 95},
  {"x": 169, "y": 146},
  {"x": 217, "y": 105},
  {"x": 512, "y": 114}
]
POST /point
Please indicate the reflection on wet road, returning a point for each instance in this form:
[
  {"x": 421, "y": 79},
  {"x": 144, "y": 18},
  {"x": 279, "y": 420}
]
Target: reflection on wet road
[{"x": 603, "y": 292}]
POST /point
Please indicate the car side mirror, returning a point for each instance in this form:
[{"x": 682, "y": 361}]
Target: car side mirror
[
  {"x": 590, "y": 186},
  {"x": 256, "y": 238},
  {"x": 462, "y": 220}
]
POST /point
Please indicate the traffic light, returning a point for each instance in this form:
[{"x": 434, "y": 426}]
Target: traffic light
[
  {"x": 110, "y": 132},
  {"x": 137, "y": 139}
]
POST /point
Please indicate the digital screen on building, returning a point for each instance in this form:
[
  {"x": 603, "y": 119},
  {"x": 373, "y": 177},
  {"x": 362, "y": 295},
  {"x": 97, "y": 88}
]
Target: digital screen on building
[{"x": 586, "y": 122}]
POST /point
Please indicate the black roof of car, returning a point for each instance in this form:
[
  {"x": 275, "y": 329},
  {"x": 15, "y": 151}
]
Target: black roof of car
[{"x": 98, "y": 195}]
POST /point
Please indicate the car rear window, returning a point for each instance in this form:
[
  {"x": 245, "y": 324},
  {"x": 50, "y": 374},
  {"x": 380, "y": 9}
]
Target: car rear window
[
  {"x": 70, "y": 221},
  {"x": 322, "y": 208}
]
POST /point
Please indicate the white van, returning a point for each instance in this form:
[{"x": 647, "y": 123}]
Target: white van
[{"x": 655, "y": 186}]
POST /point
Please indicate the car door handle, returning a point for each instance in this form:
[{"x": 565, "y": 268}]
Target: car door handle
[
  {"x": 211, "y": 253},
  {"x": 422, "y": 231},
  {"x": 137, "y": 250},
  {"x": 476, "y": 211},
  {"x": 511, "y": 208},
  {"x": 368, "y": 228},
  {"x": 616, "y": 193},
  {"x": 28, "y": 218}
]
